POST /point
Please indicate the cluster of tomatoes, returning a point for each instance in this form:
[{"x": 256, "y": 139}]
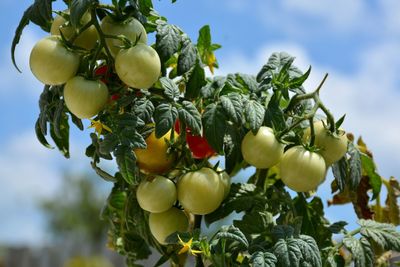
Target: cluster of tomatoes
[
  {"x": 55, "y": 63},
  {"x": 199, "y": 192},
  {"x": 300, "y": 169}
]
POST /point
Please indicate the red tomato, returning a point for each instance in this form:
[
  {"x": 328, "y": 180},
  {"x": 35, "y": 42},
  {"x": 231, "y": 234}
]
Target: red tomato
[
  {"x": 198, "y": 145},
  {"x": 101, "y": 71}
]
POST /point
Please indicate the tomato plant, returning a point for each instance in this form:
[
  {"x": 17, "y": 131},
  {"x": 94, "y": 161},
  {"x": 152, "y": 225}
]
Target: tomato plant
[{"x": 264, "y": 121}]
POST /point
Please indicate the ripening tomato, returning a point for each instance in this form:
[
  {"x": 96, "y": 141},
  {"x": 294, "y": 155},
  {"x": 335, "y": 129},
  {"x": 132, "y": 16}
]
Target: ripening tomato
[
  {"x": 155, "y": 158},
  {"x": 51, "y": 62},
  {"x": 166, "y": 223},
  {"x": 262, "y": 150},
  {"x": 333, "y": 146},
  {"x": 85, "y": 98},
  {"x": 302, "y": 170},
  {"x": 156, "y": 195},
  {"x": 87, "y": 39},
  {"x": 200, "y": 192},
  {"x": 130, "y": 28},
  {"x": 139, "y": 66}
]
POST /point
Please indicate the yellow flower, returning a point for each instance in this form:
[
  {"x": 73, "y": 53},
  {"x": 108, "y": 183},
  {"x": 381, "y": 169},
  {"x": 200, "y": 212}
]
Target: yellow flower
[
  {"x": 187, "y": 246},
  {"x": 99, "y": 127}
]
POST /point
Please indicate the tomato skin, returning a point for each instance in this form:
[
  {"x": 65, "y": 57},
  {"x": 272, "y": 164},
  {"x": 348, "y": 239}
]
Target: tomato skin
[
  {"x": 155, "y": 159},
  {"x": 139, "y": 66},
  {"x": 85, "y": 98},
  {"x": 200, "y": 192},
  {"x": 198, "y": 145},
  {"x": 226, "y": 182},
  {"x": 87, "y": 39},
  {"x": 130, "y": 28},
  {"x": 51, "y": 62},
  {"x": 166, "y": 223},
  {"x": 302, "y": 170},
  {"x": 157, "y": 195},
  {"x": 333, "y": 148},
  {"x": 262, "y": 150}
]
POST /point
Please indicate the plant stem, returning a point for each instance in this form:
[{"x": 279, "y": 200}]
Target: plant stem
[
  {"x": 101, "y": 34},
  {"x": 197, "y": 225}
]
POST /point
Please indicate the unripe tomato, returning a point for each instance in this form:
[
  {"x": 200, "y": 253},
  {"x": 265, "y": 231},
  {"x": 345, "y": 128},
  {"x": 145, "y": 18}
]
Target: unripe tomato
[
  {"x": 302, "y": 170},
  {"x": 166, "y": 223},
  {"x": 157, "y": 195},
  {"x": 200, "y": 192},
  {"x": 138, "y": 66},
  {"x": 87, "y": 39},
  {"x": 154, "y": 158},
  {"x": 85, "y": 98},
  {"x": 51, "y": 62},
  {"x": 226, "y": 182},
  {"x": 262, "y": 150},
  {"x": 333, "y": 147},
  {"x": 130, "y": 28}
]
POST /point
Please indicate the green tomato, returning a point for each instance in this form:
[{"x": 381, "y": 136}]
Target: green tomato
[
  {"x": 51, "y": 62},
  {"x": 157, "y": 195},
  {"x": 139, "y": 66},
  {"x": 130, "y": 28},
  {"x": 85, "y": 98},
  {"x": 262, "y": 150},
  {"x": 226, "y": 182},
  {"x": 166, "y": 223},
  {"x": 302, "y": 170},
  {"x": 200, "y": 192},
  {"x": 333, "y": 146},
  {"x": 87, "y": 39}
]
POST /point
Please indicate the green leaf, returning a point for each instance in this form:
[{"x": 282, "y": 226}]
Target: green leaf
[
  {"x": 232, "y": 233},
  {"x": 215, "y": 123},
  {"x": 254, "y": 113},
  {"x": 204, "y": 40},
  {"x": 232, "y": 104},
  {"x": 77, "y": 9},
  {"x": 168, "y": 40},
  {"x": 255, "y": 223},
  {"x": 298, "y": 81},
  {"x": 57, "y": 116},
  {"x": 165, "y": 116},
  {"x": 274, "y": 116},
  {"x": 171, "y": 90},
  {"x": 189, "y": 114},
  {"x": 187, "y": 57},
  {"x": 126, "y": 162},
  {"x": 61, "y": 140},
  {"x": 354, "y": 165},
  {"x": 248, "y": 81},
  {"x": 363, "y": 254},
  {"x": 275, "y": 62},
  {"x": 197, "y": 79},
  {"x": 310, "y": 251},
  {"x": 383, "y": 234},
  {"x": 375, "y": 180},
  {"x": 263, "y": 259},
  {"x": 40, "y": 135},
  {"x": 108, "y": 144},
  {"x": 337, "y": 227},
  {"x": 40, "y": 13},
  {"x": 339, "y": 170},
  {"x": 287, "y": 253},
  {"x": 232, "y": 148},
  {"x": 144, "y": 109}
]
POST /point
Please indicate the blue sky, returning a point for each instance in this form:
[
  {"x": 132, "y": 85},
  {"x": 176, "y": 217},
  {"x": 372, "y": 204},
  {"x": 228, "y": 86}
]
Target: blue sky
[{"x": 357, "y": 42}]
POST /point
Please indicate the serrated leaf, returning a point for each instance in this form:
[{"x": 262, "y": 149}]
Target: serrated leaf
[
  {"x": 337, "y": 227},
  {"x": 298, "y": 81},
  {"x": 275, "y": 61},
  {"x": 189, "y": 114},
  {"x": 126, "y": 162},
  {"x": 255, "y": 223},
  {"x": 233, "y": 107},
  {"x": 393, "y": 210},
  {"x": 363, "y": 254},
  {"x": 61, "y": 140},
  {"x": 232, "y": 149},
  {"x": 108, "y": 144},
  {"x": 77, "y": 9},
  {"x": 144, "y": 109},
  {"x": 40, "y": 136},
  {"x": 165, "y": 116},
  {"x": 197, "y": 79},
  {"x": 339, "y": 170},
  {"x": 214, "y": 123},
  {"x": 168, "y": 40},
  {"x": 287, "y": 253},
  {"x": 274, "y": 116},
  {"x": 232, "y": 233},
  {"x": 310, "y": 251},
  {"x": 171, "y": 90},
  {"x": 187, "y": 57},
  {"x": 254, "y": 114},
  {"x": 383, "y": 234},
  {"x": 375, "y": 181},
  {"x": 354, "y": 166},
  {"x": 263, "y": 259},
  {"x": 248, "y": 81}
]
